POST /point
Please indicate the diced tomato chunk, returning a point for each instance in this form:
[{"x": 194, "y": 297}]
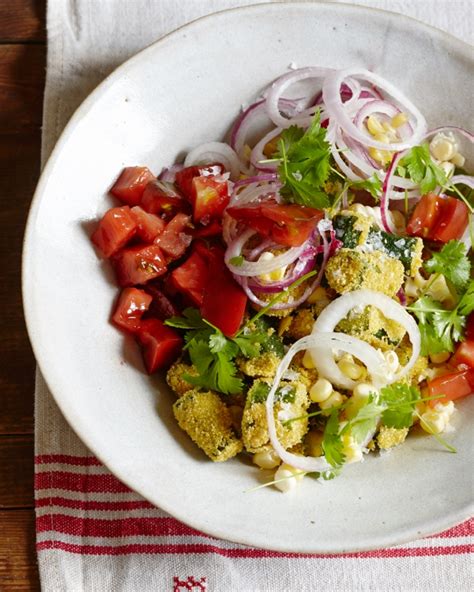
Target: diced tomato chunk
[
  {"x": 214, "y": 228},
  {"x": 115, "y": 229},
  {"x": 161, "y": 345},
  {"x": 130, "y": 308},
  {"x": 290, "y": 225},
  {"x": 464, "y": 354},
  {"x": 149, "y": 226},
  {"x": 161, "y": 307},
  {"x": 163, "y": 199},
  {"x": 438, "y": 217},
  {"x": 130, "y": 185},
  {"x": 470, "y": 326},
  {"x": 210, "y": 197},
  {"x": 224, "y": 301},
  {"x": 184, "y": 178},
  {"x": 190, "y": 278},
  {"x": 174, "y": 240},
  {"x": 452, "y": 386},
  {"x": 138, "y": 265}
]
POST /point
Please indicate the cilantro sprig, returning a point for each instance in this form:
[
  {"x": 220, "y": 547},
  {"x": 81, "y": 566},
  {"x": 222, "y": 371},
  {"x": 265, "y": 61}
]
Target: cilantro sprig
[
  {"x": 304, "y": 164},
  {"x": 452, "y": 262}
]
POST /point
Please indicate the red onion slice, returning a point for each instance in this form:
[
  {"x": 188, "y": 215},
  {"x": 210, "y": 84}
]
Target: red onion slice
[
  {"x": 215, "y": 152},
  {"x": 168, "y": 175}
]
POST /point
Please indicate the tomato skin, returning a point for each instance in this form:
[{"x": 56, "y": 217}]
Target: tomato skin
[
  {"x": 162, "y": 198},
  {"x": 438, "y": 217},
  {"x": 130, "y": 307},
  {"x": 161, "y": 306},
  {"x": 464, "y": 354},
  {"x": 214, "y": 228},
  {"x": 453, "y": 386},
  {"x": 287, "y": 224},
  {"x": 190, "y": 278},
  {"x": 138, "y": 265},
  {"x": 148, "y": 225},
  {"x": 184, "y": 178},
  {"x": 174, "y": 240},
  {"x": 161, "y": 345},
  {"x": 210, "y": 197},
  {"x": 224, "y": 301},
  {"x": 470, "y": 326},
  {"x": 453, "y": 220},
  {"x": 115, "y": 229},
  {"x": 131, "y": 183}
]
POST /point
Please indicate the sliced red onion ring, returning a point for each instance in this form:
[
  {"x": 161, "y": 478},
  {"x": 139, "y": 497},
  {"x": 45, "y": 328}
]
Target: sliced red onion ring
[
  {"x": 337, "y": 111},
  {"x": 384, "y": 200},
  {"x": 281, "y": 84},
  {"x": 384, "y": 108},
  {"x": 450, "y": 128},
  {"x": 303, "y": 265},
  {"x": 215, "y": 152},
  {"x": 257, "y": 156},
  {"x": 336, "y": 311},
  {"x": 169, "y": 174},
  {"x": 255, "y": 179}
]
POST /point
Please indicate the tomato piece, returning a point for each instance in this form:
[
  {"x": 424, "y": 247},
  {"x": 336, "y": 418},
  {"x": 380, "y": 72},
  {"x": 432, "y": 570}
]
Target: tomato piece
[
  {"x": 290, "y": 225},
  {"x": 115, "y": 229},
  {"x": 210, "y": 196},
  {"x": 453, "y": 220},
  {"x": 425, "y": 215},
  {"x": 161, "y": 345},
  {"x": 214, "y": 228},
  {"x": 174, "y": 240},
  {"x": 464, "y": 354},
  {"x": 470, "y": 326},
  {"x": 163, "y": 199},
  {"x": 138, "y": 265},
  {"x": 190, "y": 278},
  {"x": 130, "y": 185},
  {"x": 131, "y": 305},
  {"x": 452, "y": 386},
  {"x": 184, "y": 178},
  {"x": 148, "y": 225},
  {"x": 161, "y": 306},
  {"x": 224, "y": 301}
]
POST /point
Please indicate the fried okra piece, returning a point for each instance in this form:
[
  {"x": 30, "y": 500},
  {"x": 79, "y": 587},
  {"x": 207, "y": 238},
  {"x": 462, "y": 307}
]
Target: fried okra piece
[
  {"x": 265, "y": 364},
  {"x": 350, "y": 270},
  {"x": 291, "y": 401},
  {"x": 175, "y": 377},
  {"x": 372, "y": 326},
  {"x": 302, "y": 323},
  {"x": 208, "y": 422},
  {"x": 391, "y": 437}
]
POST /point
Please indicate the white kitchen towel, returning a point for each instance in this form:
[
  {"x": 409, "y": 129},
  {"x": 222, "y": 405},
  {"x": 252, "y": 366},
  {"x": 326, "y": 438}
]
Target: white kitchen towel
[{"x": 93, "y": 533}]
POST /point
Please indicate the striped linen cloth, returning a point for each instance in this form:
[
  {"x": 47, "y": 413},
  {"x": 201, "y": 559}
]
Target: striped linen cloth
[{"x": 93, "y": 533}]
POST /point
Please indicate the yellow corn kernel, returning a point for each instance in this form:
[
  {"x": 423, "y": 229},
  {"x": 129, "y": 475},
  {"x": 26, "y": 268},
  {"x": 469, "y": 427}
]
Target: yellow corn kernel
[
  {"x": 458, "y": 160},
  {"x": 313, "y": 441},
  {"x": 334, "y": 400},
  {"x": 382, "y": 138},
  {"x": 320, "y": 391},
  {"x": 275, "y": 275},
  {"x": 350, "y": 368},
  {"x": 392, "y": 360},
  {"x": 374, "y": 125},
  {"x": 448, "y": 168},
  {"x": 399, "y": 119},
  {"x": 284, "y": 325},
  {"x": 352, "y": 451},
  {"x": 440, "y": 358},
  {"x": 266, "y": 459},
  {"x": 381, "y": 156},
  {"x": 308, "y": 360},
  {"x": 440, "y": 291},
  {"x": 319, "y": 294},
  {"x": 271, "y": 147}
]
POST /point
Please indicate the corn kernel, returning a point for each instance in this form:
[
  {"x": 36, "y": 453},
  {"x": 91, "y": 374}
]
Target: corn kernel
[
  {"x": 350, "y": 369},
  {"x": 374, "y": 125},
  {"x": 364, "y": 389},
  {"x": 443, "y": 147},
  {"x": 432, "y": 422},
  {"x": 381, "y": 156},
  {"x": 266, "y": 459},
  {"x": 271, "y": 147},
  {"x": 313, "y": 441},
  {"x": 399, "y": 119},
  {"x": 458, "y": 160},
  {"x": 334, "y": 400},
  {"x": 272, "y": 276},
  {"x": 319, "y": 294},
  {"x": 288, "y": 481},
  {"x": 308, "y": 360},
  {"x": 320, "y": 391},
  {"x": 392, "y": 360},
  {"x": 440, "y": 291},
  {"x": 351, "y": 450},
  {"x": 440, "y": 358},
  {"x": 448, "y": 168},
  {"x": 284, "y": 325}
]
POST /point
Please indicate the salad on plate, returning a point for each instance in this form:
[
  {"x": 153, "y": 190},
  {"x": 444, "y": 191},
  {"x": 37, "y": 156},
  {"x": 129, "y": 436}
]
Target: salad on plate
[{"x": 307, "y": 285}]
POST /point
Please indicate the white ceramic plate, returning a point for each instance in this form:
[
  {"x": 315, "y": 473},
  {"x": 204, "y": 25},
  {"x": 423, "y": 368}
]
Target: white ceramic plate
[{"x": 181, "y": 91}]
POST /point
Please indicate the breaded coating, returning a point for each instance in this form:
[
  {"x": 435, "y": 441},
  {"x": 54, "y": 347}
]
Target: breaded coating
[
  {"x": 416, "y": 374},
  {"x": 372, "y": 326},
  {"x": 391, "y": 437},
  {"x": 175, "y": 380},
  {"x": 350, "y": 270},
  {"x": 308, "y": 376},
  {"x": 291, "y": 401},
  {"x": 301, "y": 324},
  {"x": 265, "y": 364},
  {"x": 416, "y": 258},
  {"x": 208, "y": 422}
]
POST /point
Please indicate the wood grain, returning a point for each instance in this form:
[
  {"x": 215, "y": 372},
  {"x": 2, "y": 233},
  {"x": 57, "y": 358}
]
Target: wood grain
[
  {"x": 22, "y": 21},
  {"x": 18, "y": 566},
  {"x": 16, "y": 471}
]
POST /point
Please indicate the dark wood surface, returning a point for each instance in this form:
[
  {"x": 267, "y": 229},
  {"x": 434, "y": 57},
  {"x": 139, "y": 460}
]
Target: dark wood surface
[{"x": 22, "y": 74}]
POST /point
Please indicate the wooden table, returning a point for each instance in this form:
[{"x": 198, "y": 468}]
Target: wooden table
[{"x": 22, "y": 74}]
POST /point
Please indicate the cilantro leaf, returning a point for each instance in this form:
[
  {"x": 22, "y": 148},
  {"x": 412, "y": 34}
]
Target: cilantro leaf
[
  {"x": 400, "y": 400},
  {"x": 466, "y": 304},
  {"x": 191, "y": 319},
  {"x": 373, "y": 185},
  {"x": 452, "y": 262},
  {"x": 422, "y": 169},
  {"x": 332, "y": 444},
  {"x": 305, "y": 166},
  {"x": 365, "y": 420}
]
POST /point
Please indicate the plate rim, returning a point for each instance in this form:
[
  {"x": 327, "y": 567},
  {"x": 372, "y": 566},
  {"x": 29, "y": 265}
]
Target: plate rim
[{"x": 75, "y": 422}]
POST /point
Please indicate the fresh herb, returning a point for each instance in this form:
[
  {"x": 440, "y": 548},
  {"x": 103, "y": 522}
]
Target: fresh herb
[
  {"x": 399, "y": 400},
  {"x": 453, "y": 263},
  {"x": 332, "y": 441},
  {"x": 441, "y": 328},
  {"x": 422, "y": 169},
  {"x": 372, "y": 185},
  {"x": 259, "y": 393},
  {"x": 237, "y": 261},
  {"x": 305, "y": 164}
]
